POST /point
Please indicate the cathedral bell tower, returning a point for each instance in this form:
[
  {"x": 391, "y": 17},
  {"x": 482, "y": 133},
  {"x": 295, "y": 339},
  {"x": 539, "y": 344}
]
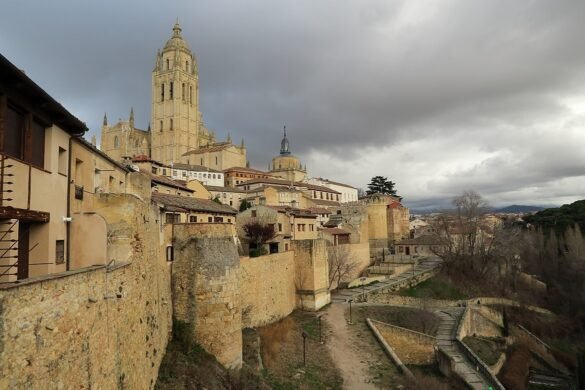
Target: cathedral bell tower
[{"x": 176, "y": 120}]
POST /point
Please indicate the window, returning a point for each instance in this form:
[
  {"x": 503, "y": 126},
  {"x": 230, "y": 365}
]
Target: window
[
  {"x": 202, "y": 161},
  {"x": 183, "y": 91},
  {"x": 286, "y": 247},
  {"x": 191, "y": 94},
  {"x": 62, "y": 168},
  {"x": 116, "y": 142},
  {"x": 253, "y": 213},
  {"x": 60, "y": 252},
  {"x": 171, "y": 124},
  {"x": 172, "y": 218},
  {"x": 229, "y": 220},
  {"x": 171, "y": 90},
  {"x": 193, "y": 218},
  {"x": 311, "y": 227},
  {"x": 215, "y": 160},
  {"x": 210, "y": 219},
  {"x": 168, "y": 64},
  {"x": 14, "y": 132},
  {"x": 218, "y": 219},
  {"x": 38, "y": 144},
  {"x": 161, "y": 125},
  {"x": 162, "y": 92},
  {"x": 164, "y": 172},
  {"x": 280, "y": 227},
  {"x": 186, "y": 66},
  {"x": 184, "y": 174}
]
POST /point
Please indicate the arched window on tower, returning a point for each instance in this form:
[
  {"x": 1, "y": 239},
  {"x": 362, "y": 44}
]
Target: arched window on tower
[
  {"x": 186, "y": 66},
  {"x": 171, "y": 125},
  {"x": 168, "y": 64},
  {"x": 116, "y": 142},
  {"x": 191, "y": 94},
  {"x": 183, "y": 91},
  {"x": 171, "y": 90},
  {"x": 161, "y": 125},
  {"x": 162, "y": 92}
]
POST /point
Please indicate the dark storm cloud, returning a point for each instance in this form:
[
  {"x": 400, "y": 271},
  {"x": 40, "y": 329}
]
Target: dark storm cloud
[{"x": 347, "y": 77}]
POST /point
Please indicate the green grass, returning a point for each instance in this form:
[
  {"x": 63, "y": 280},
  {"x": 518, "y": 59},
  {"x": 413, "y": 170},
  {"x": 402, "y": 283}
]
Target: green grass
[{"x": 436, "y": 289}]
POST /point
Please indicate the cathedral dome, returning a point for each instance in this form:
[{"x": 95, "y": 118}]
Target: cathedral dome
[{"x": 176, "y": 41}]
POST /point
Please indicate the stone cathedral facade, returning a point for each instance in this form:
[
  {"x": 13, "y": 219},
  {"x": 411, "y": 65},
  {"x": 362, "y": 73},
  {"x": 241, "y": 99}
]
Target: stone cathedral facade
[{"x": 176, "y": 133}]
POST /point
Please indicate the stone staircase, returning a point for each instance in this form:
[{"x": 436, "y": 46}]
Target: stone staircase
[{"x": 446, "y": 341}]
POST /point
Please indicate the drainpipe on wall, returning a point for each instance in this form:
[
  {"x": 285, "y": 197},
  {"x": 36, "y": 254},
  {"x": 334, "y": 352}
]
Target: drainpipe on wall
[{"x": 68, "y": 224}]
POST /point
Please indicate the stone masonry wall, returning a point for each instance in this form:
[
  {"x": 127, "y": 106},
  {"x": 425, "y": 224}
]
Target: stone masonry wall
[
  {"x": 410, "y": 346},
  {"x": 206, "y": 288},
  {"x": 399, "y": 300},
  {"x": 267, "y": 288},
  {"x": 95, "y": 327},
  {"x": 311, "y": 273}
]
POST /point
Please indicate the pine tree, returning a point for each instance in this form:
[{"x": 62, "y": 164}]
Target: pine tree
[{"x": 381, "y": 185}]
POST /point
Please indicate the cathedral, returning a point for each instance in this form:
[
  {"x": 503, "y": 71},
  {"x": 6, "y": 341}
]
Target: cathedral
[{"x": 176, "y": 133}]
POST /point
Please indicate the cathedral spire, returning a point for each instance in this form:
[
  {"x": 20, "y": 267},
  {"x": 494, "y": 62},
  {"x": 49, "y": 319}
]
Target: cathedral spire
[{"x": 105, "y": 123}]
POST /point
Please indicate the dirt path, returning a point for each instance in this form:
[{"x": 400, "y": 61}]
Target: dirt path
[{"x": 349, "y": 358}]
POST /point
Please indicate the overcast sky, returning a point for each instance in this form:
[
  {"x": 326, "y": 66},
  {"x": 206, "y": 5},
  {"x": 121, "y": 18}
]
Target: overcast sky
[{"x": 439, "y": 96}]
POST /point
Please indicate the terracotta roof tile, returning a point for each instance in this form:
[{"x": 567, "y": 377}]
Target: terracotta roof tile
[{"x": 186, "y": 203}]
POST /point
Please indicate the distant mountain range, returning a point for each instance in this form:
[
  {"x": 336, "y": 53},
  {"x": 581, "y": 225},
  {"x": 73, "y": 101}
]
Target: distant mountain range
[
  {"x": 517, "y": 209},
  {"x": 513, "y": 209}
]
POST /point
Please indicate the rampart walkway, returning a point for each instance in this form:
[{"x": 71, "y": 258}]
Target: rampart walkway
[{"x": 343, "y": 295}]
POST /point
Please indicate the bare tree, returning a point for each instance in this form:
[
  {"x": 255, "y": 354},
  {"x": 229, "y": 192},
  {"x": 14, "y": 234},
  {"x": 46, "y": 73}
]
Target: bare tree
[
  {"x": 341, "y": 264},
  {"x": 259, "y": 234}
]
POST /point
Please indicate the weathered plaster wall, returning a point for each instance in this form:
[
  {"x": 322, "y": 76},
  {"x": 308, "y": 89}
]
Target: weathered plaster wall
[
  {"x": 267, "y": 288},
  {"x": 92, "y": 328},
  {"x": 206, "y": 288}
]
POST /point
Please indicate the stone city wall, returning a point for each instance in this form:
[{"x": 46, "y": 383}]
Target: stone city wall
[
  {"x": 410, "y": 346},
  {"x": 311, "y": 273},
  {"x": 398, "y": 300},
  {"x": 268, "y": 288},
  {"x": 206, "y": 288},
  {"x": 356, "y": 254},
  {"x": 97, "y": 327}
]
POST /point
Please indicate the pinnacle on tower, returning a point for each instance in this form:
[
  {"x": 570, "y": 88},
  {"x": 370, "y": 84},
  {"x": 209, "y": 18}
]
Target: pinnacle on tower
[
  {"x": 177, "y": 29},
  {"x": 105, "y": 123},
  {"x": 148, "y": 127},
  {"x": 229, "y": 138},
  {"x": 242, "y": 144},
  {"x": 131, "y": 120}
]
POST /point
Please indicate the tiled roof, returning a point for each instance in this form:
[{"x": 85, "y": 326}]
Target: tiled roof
[
  {"x": 245, "y": 169},
  {"x": 143, "y": 158},
  {"x": 165, "y": 180},
  {"x": 224, "y": 189},
  {"x": 196, "y": 168},
  {"x": 334, "y": 231},
  {"x": 336, "y": 183},
  {"x": 294, "y": 211},
  {"x": 186, "y": 203},
  {"x": 323, "y": 202},
  {"x": 319, "y": 210},
  {"x": 286, "y": 183}
]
